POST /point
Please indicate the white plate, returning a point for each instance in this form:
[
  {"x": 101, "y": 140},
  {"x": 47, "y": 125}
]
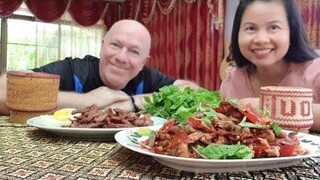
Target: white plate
[
  {"x": 87, "y": 133},
  {"x": 308, "y": 142}
]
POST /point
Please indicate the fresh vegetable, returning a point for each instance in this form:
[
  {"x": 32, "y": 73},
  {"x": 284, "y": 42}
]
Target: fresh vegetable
[
  {"x": 171, "y": 102},
  {"x": 243, "y": 124},
  {"x": 221, "y": 151},
  {"x": 223, "y": 132},
  {"x": 276, "y": 128},
  {"x": 287, "y": 150}
]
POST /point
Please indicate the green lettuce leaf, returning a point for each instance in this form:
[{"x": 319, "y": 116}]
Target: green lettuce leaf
[
  {"x": 171, "y": 102},
  {"x": 222, "y": 151}
]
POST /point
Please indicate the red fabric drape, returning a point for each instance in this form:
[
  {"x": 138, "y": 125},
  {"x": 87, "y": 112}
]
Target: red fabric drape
[
  {"x": 84, "y": 12},
  {"x": 310, "y": 12},
  {"x": 130, "y": 9},
  {"x": 87, "y": 12},
  {"x": 147, "y": 10},
  {"x": 111, "y": 15},
  {"x": 47, "y": 11},
  {"x": 7, "y": 7}
]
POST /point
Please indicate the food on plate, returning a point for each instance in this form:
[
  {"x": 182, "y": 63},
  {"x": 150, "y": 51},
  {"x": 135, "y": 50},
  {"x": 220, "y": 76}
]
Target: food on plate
[
  {"x": 49, "y": 121},
  {"x": 60, "y": 118},
  {"x": 93, "y": 117},
  {"x": 226, "y": 131},
  {"x": 64, "y": 114},
  {"x": 171, "y": 102}
]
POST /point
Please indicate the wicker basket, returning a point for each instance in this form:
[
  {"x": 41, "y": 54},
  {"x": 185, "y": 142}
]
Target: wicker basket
[
  {"x": 22, "y": 117},
  {"x": 291, "y": 107},
  {"x": 32, "y": 92}
]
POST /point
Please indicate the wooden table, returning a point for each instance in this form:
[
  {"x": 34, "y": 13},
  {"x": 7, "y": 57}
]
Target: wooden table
[{"x": 30, "y": 153}]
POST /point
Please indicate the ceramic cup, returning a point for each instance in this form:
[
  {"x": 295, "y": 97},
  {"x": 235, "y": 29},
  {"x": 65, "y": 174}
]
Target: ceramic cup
[{"x": 291, "y": 107}]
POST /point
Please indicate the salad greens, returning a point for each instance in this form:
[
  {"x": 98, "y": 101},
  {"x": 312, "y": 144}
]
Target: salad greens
[
  {"x": 222, "y": 151},
  {"x": 171, "y": 102}
]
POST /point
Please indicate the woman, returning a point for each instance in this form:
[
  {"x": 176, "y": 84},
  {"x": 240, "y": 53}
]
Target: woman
[{"x": 270, "y": 48}]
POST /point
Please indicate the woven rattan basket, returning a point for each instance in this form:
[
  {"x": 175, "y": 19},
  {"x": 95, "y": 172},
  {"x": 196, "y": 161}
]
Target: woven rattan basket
[
  {"x": 32, "y": 92},
  {"x": 291, "y": 107}
]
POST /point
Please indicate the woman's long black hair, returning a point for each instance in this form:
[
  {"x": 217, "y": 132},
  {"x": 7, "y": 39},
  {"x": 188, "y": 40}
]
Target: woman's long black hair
[{"x": 300, "y": 49}]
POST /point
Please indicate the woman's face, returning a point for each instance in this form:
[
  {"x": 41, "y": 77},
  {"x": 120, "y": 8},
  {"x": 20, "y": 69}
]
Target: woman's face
[{"x": 264, "y": 34}]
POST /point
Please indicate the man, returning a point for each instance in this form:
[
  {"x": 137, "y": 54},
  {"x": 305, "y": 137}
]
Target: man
[{"x": 118, "y": 79}]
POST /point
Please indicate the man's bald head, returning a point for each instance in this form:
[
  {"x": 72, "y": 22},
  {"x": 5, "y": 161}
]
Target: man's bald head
[{"x": 133, "y": 27}]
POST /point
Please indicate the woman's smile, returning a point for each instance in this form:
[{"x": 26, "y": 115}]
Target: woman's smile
[{"x": 262, "y": 53}]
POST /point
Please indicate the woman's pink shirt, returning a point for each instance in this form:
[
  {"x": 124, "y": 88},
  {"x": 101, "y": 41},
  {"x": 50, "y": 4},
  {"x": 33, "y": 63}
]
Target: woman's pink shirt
[{"x": 237, "y": 85}]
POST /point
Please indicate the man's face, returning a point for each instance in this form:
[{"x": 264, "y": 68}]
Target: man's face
[{"x": 124, "y": 51}]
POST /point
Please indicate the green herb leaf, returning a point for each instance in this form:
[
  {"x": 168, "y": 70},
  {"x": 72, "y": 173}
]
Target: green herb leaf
[
  {"x": 276, "y": 128},
  {"x": 171, "y": 102},
  {"x": 244, "y": 124},
  {"x": 222, "y": 151}
]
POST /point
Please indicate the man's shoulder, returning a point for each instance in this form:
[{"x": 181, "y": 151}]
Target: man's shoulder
[
  {"x": 87, "y": 58},
  {"x": 150, "y": 69},
  {"x": 87, "y": 61}
]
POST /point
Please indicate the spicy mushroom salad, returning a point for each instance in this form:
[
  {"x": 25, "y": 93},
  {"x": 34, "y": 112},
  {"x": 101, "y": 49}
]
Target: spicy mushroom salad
[{"x": 202, "y": 124}]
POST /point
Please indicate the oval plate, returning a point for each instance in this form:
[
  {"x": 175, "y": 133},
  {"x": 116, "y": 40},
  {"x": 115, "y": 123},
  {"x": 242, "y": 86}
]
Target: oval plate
[
  {"x": 309, "y": 142},
  {"x": 87, "y": 133}
]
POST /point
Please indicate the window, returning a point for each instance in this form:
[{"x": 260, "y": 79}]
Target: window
[{"x": 31, "y": 43}]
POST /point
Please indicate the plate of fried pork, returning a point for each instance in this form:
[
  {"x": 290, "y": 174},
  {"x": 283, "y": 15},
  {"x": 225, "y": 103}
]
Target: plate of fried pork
[{"x": 93, "y": 123}]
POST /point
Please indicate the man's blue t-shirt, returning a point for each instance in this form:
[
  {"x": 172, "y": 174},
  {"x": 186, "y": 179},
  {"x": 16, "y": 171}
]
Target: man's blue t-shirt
[{"x": 82, "y": 75}]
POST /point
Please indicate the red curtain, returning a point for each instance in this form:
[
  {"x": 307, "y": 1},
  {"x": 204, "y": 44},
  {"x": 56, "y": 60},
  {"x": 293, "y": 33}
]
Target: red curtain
[
  {"x": 111, "y": 14},
  {"x": 185, "y": 40},
  {"x": 7, "y": 7},
  {"x": 87, "y": 12},
  {"x": 310, "y": 12},
  {"x": 84, "y": 12},
  {"x": 47, "y": 11}
]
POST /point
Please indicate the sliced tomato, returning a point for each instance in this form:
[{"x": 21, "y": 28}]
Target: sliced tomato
[
  {"x": 258, "y": 150},
  {"x": 178, "y": 138},
  {"x": 286, "y": 150},
  {"x": 195, "y": 123},
  {"x": 250, "y": 116}
]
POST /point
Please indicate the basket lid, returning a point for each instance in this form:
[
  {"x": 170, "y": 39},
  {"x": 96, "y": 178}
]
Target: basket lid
[{"x": 33, "y": 74}]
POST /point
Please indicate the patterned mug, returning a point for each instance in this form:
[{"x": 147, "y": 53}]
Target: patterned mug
[{"x": 291, "y": 107}]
